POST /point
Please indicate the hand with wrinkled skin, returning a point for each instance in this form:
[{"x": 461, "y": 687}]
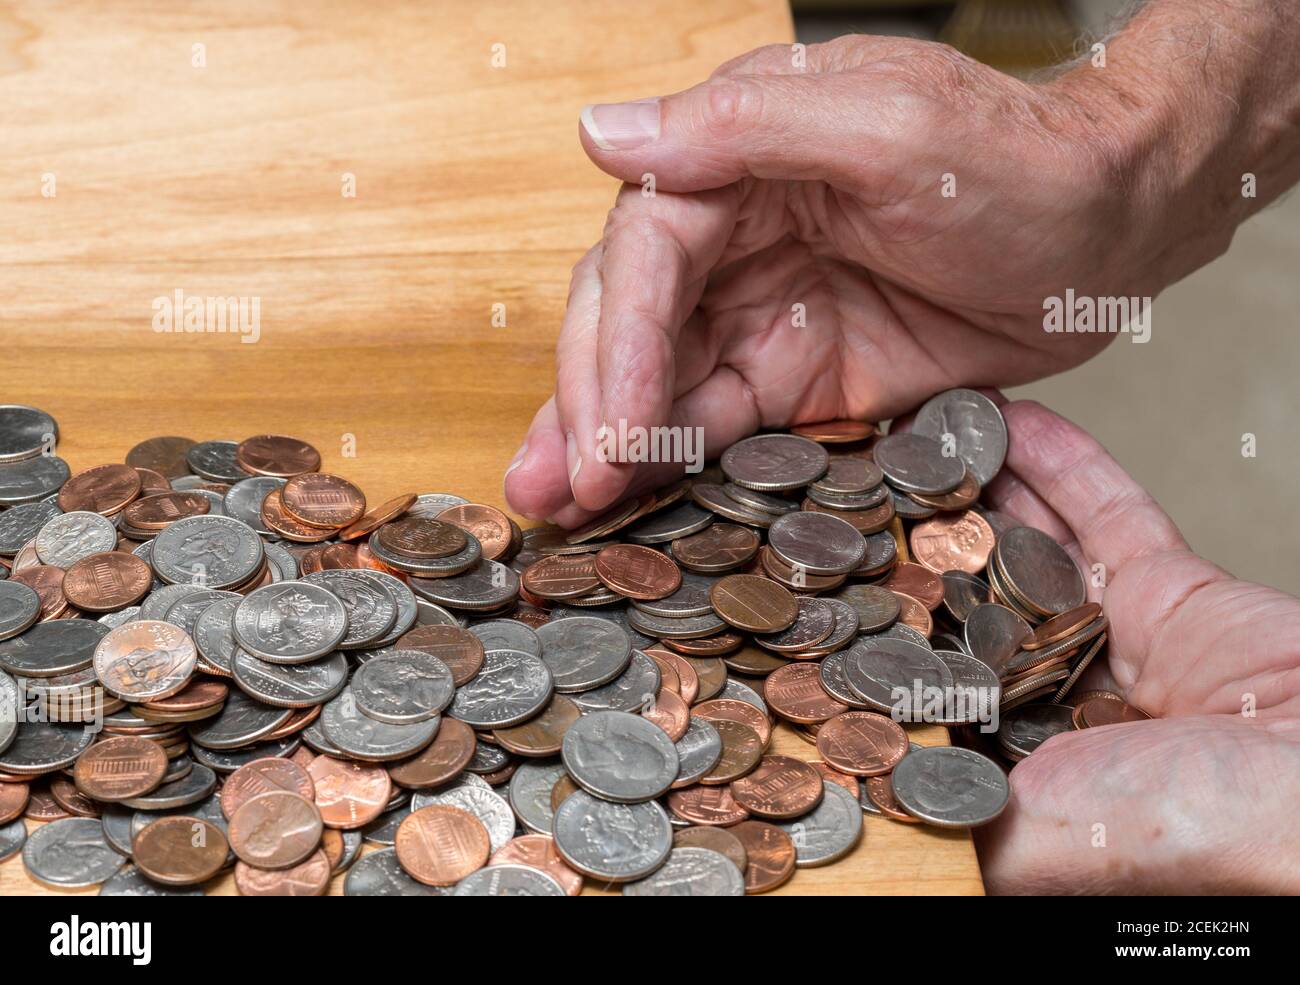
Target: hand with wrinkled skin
[{"x": 1202, "y": 799}]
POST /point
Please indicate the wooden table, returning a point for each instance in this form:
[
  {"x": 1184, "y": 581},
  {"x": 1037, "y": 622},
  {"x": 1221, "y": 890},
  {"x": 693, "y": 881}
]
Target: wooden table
[{"x": 219, "y": 171}]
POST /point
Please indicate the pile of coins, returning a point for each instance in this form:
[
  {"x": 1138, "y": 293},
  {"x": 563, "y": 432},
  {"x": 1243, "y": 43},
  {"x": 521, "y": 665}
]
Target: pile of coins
[{"x": 214, "y": 654}]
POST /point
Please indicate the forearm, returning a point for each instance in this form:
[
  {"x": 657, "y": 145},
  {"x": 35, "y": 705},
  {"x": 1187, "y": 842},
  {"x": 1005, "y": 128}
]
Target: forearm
[{"x": 1199, "y": 104}]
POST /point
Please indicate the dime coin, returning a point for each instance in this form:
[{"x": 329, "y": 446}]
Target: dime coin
[
  {"x": 951, "y": 787},
  {"x": 20, "y": 524},
  {"x": 71, "y": 536},
  {"x": 215, "y": 461}
]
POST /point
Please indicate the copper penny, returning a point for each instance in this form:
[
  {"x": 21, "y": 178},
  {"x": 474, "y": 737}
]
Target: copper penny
[
  {"x": 564, "y": 787},
  {"x": 769, "y": 853},
  {"x": 179, "y": 850},
  {"x": 802, "y": 581},
  {"x": 119, "y": 768},
  {"x": 107, "y": 581},
  {"x": 152, "y": 483},
  {"x": 458, "y": 648},
  {"x": 638, "y": 572},
  {"x": 711, "y": 674},
  {"x": 966, "y": 493},
  {"x": 421, "y": 537},
  {"x": 13, "y": 801},
  {"x": 757, "y": 662},
  {"x": 337, "y": 556},
  {"x": 492, "y": 527},
  {"x": 349, "y": 794},
  {"x": 1059, "y": 627},
  {"x": 718, "y": 547},
  {"x": 262, "y": 776},
  {"x": 956, "y": 542},
  {"x": 47, "y": 582},
  {"x": 197, "y": 695},
  {"x": 539, "y": 852},
  {"x": 779, "y": 787},
  {"x": 880, "y": 791},
  {"x": 377, "y": 516},
  {"x": 710, "y": 806},
  {"x": 442, "y": 760},
  {"x": 275, "y": 830},
  {"x": 308, "y": 878},
  {"x": 670, "y": 713},
  {"x": 542, "y": 735},
  {"x": 72, "y": 800},
  {"x": 733, "y": 710},
  {"x": 439, "y": 845},
  {"x": 1106, "y": 710},
  {"x": 155, "y": 512},
  {"x": 831, "y": 775},
  {"x": 835, "y": 432},
  {"x": 686, "y": 673},
  {"x": 715, "y": 839},
  {"x": 862, "y": 743},
  {"x": 741, "y": 751},
  {"x": 276, "y": 454},
  {"x": 795, "y": 692},
  {"x": 165, "y": 455},
  {"x": 754, "y": 604},
  {"x": 104, "y": 489},
  {"x": 320, "y": 499},
  {"x": 912, "y": 613},
  {"x": 295, "y": 723},
  {"x": 145, "y": 660},
  {"x": 561, "y": 576},
  {"x": 41, "y": 806},
  {"x": 716, "y": 645},
  {"x": 669, "y": 679},
  {"x": 918, "y": 581},
  {"x": 278, "y": 519}
]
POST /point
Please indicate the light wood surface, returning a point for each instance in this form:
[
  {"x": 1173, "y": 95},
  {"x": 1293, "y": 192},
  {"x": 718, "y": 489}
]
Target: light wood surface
[{"x": 376, "y": 311}]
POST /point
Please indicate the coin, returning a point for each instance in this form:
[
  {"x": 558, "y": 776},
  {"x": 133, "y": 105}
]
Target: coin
[
  {"x": 215, "y": 551},
  {"x": 440, "y": 761},
  {"x": 369, "y": 740},
  {"x": 835, "y": 432},
  {"x": 459, "y": 649},
  {"x": 106, "y": 581},
  {"x": 561, "y": 576},
  {"x": 1106, "y": 710},
  {"x": 262, "y": 776},
  {"x": 120, "y": 767},
  {"x": 993, "y": 634},
  {"x": 543, "y": 734},
  {"x": 620, "y": 757},
  {"x": 795, "y": 693},
  {"x": 74, "y": 535},
  {"x": 1039, "y": 571},
  {"x": 104, "y": 489},
  {"x": 320, "y": 499},
  {"x": 380, "y": 874},
  {"x": 690, "y": 871},
  {"x": 773, "y": 462},
  {"x": 488, "y": 525},
  {"x": 584, "y": 652},
  {"x": 511, "y": 687},
  {"x": 403, "y": 686},
  {"x": 145, "y": 660},
  {"x": 439, "y": 845},
  {"x": 896, "y": 676},
  {"x": 915, "y": 463},
  {"x": 538, "y": 852},
  {"x": 876, "y": 607},
  {"x": 70, "y": 853},
  {"x": 25, "y": 432},
  {"x": 637, "y": 572},
  {"x": 276, "y": 455},
  {"x": 770, "y": 855},
  {"x": 951, "y": 787},
  {"x": 828, "y": 832},
  {"x": 20, "y": 606},
  {"x": 180, "y": 851},
  {"x": 976, "y": 427},
  {"x": 779, "y": 787},
  {"x": 290, "y": 622},
  {"x": 308, "y": 878},
  {"x": 862, "y": 743},
  {"x": 754, "y": 604},
  {"x": 817, "y": 543},
  {"x": 609, "y": 841},
  {"x": 32, "y": 479},
  {"x": 378, "y": 516},
  {"x": 275, "y": 830}
]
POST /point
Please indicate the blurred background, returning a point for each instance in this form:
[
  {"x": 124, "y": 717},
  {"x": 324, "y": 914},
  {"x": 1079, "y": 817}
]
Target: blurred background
[{"x": 1225, "y": 345}]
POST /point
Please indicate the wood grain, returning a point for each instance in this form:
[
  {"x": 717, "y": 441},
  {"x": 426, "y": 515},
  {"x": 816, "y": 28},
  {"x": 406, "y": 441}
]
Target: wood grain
[{"x": 376, "y": 311}]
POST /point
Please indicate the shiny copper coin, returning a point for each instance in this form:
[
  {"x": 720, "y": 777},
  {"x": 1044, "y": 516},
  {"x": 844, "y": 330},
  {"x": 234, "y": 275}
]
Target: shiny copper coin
[
  {"x": 107, "y": 581},
  {"x": 669, "y": 679},
  {"x": 440, "y": 761},
  {"x": 295, "y": 723},
  {"x": 770, "y": 855},
  {"x": 795, "y": 693},
  {"x": 839, "y": 431},
  {"x": 1059, "y": 627},
  {"x": 733, "y": 710},
  {"x": 278, "y": 519},
  {"x": 715, "y": 839},
  {"x": 349, "y": 794},
  {"x": 275, "y": 830},
  {"x": 152, "y": 483},
  {"x": 718, "y": 547},
  {"x": 155, "y": 512},
  {"x": 366, "y": 559},
  {"x": 439, "y": 845},
  {"x": 670, "y": 713},
  {"x": 869, "y": 521},
  {"x": 47, "y": 582},
  {"x": 321, "y": 499},
  {"x": 561, "y": 576},
  {"x": 1106, "y": 711},
  {"x": 741, "y": 751},
  {"x": 179, "y": 850},
  {"x": 13, "y": 801},
  {"x": 72, "y": 800},
  {"x": 862, "y": 743},
  {"x": 421, "y": 537},
  {"x": 880, "y": 791},
  {"x": 377, "y": 516},
  {"x": 687, "y": 675},
  {"x": 276, "y": 454},
  {"x": 310, "y": 877},
  {"x": 780, "y": 787},
  {"x": 966, "y": 493},
  {"x": 918, "y": 581},
  {"x": 952, "y": 542},
  {"x": 338, "y": 556},
  {"x": 711, "y": 674},
  {"x": 165, "y": 455},
  {"x": 638, "y": 572},
  {"x": 717, "y": 645},
  {"x": 912, "y": 613},
  {"x": 754, "y": 604},
  {"x": 458, "y": 648},
  {"x": 262, "y": 776},
  {"x": 119, "y": 768},
  {"x": 104, "y": 489},
  {"x": 145, "y": 660},
  {"x": 492, "y": 527},
  {"x": 539, "y": 852},
  {"x": 710, "y": 806},
  {"x": 541, "y": 735},
  {"x": 197, "y": 695}
]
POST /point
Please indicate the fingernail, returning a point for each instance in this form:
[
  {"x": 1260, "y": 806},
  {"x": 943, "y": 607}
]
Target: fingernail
[
  {"x": 575, "y": 460},
  {"x": 518, "y": 460},
  {"x": 622, "y": 126}
]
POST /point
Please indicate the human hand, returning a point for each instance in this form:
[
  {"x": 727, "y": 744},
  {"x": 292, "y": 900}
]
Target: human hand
[
  {"x": 799, "y": 260},
  {"x": 1202, "y": 798}
]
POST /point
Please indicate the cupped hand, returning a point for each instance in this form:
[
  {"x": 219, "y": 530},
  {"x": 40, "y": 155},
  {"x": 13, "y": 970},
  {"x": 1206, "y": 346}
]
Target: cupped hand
[
  {"x": 840, "y": 239},
  {"x": 1203, "y": 798}
]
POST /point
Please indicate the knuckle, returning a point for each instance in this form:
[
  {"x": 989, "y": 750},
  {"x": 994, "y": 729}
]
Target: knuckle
[{"x": 730, "y": 107}]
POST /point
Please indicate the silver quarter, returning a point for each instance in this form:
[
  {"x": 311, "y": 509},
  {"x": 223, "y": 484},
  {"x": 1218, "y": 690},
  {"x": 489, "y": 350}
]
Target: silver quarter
[
  {"x": 53, "y": 648},
  {"x": 774, "y": 462},
  {"x": 42, "y": 747},
  {"x": 215, "y": 551},
  {"x": 20, "y": 607},
  {"x": 613, "y": 842},
  {"x": 214, "y": 634},
  {"x": 403, "y": 686},
  {"x": 893, "y": 676},
  {"x": 511, "y": 687},
  {"x": 12, "y": 838},
  {"x": 371, "y": 741},
  {"x": 692, "y": 871},
  {"x": 242, "y": 720},
  {"x": 829, "y": 831},
  {"x": 529, "y": 793},
  {"x": 487, "y": 585},
  {"x": 698, "y": 751},
  {"x": 19, "y": 524},
  {"x": 915, "y": 463},
  {"x": 994, "y": 633},
  {"x": 130, "y": 881},
  {"x": 817, "y": 543},
  {"x": 659, "y": 528},
  {"x": 507, "y": 634},
  {"x": 950, "y": 787},
  {"x": 619, "y": 756},
  {"x": 380, "y": 874},
  {"x": 291, "y": 685},
  {"x": 370, "y": 606},
  {"x": 290, "y": 622},
  {"x": 71, "y": 853},
  {"x": 584, "y": 652},
  {"x": 631, "y": 690},
  {"x": 976, "y": 425},
  {"x": 25, "y": 432},
  {"x": 215, "y": 461},
  {"x": 243, "y": 501}
]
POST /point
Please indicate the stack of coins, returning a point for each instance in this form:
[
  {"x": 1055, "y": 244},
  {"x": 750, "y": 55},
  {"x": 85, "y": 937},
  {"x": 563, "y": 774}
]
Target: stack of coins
[{"x": 279, "y": 679}]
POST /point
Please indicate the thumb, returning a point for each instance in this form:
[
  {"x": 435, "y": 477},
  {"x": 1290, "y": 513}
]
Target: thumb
[{"x": 799, "y": 127}]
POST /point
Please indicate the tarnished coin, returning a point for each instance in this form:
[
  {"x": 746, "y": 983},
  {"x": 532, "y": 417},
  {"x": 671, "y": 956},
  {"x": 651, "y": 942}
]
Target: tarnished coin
[
  {"x": 69, "y": 537},
  {"x": 214, "y": 634},
  {"x": 13, "y": 836},
  {"x": 180, "y": 851},
  {"x": 862, "y": 743},
  {"x": 509, "y": 879},
  {"x": 976, "y": 426},
  {"x": 71, "y": 853},
  {"x": 403, "y": 686},
  {"x": 951, "y": 787},
  {"x": 20, "y": 606},
  {"x": 994, "y": 633},
  {"x": 583, "y": 652},
  {"x": 915, "y": 463},
  {"x": 543, "y": 734},
  {"x": 215, "y": 551},
  {"x": 1039, "y": 571},
  {"x": 440, "y": 761},
  {"x": 275, "y": 830},
  {"x": 620, "y": 757},
  {"x": 42, "y": 747},
  {"x": 962, "y": 592},
  {"x": 828, "y": 832},
  {"x": 691, "y": 872},
  {"x": 145, "y": 660},
  {"x": 612, "y": 842},
  {"x": 721, "y": 547},
  {"x": 773, "y": 462},
  {"x": 895, "y": 676},
  {"x": 754, "y": 604},
  {"x": 120, "y": 767},
  {"x": 817, "y": 543},
  {"x": 290, "y": 622},
  {"x": 976, "y": 692},
  {"x": 25, "y": 432},
  {"x": 779, "y": 787},
  {"x": 191, "y": 788},
  {"x": 369, "y": 740},
  {"x": 876, "y": 607}
]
